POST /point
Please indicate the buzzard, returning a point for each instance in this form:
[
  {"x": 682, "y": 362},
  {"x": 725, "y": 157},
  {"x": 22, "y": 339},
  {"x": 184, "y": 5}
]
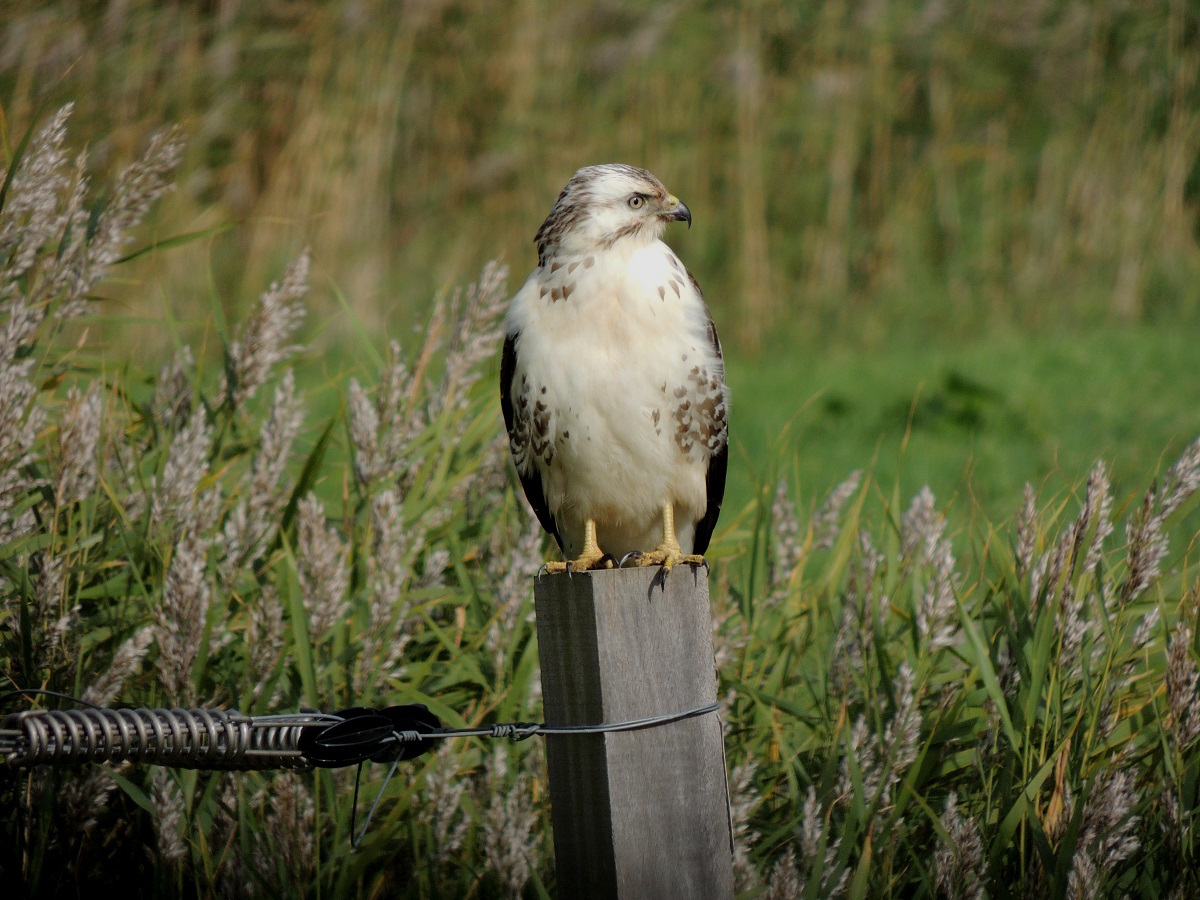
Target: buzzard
[{"x": 612, "y": 381}]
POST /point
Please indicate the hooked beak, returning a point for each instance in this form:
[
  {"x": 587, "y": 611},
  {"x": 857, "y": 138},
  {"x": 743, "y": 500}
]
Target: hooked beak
[{"x": 677, "y": 211}]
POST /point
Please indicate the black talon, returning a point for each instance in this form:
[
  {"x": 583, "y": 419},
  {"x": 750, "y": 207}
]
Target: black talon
[
  {"x": 607, "y": 561},
  {"x": 660, "y": 579},
  {"x": 632, "y": 554}
]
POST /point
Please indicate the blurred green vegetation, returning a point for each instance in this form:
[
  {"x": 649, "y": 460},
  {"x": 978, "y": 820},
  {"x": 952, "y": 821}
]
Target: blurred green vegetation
[
  {"x": 974, "y": 421},
  {"x": 926, "y": 183},
  {"x": 863, "y": 174}
]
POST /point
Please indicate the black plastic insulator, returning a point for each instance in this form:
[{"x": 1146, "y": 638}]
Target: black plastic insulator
[{"x": 374, "y": 734}]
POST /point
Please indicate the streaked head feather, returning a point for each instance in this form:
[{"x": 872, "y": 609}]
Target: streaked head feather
[{"x": 594, "y": 211}]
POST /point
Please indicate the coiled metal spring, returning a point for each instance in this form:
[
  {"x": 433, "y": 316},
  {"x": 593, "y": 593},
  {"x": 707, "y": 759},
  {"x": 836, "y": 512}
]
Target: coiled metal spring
[{"x": 183, "y": 738}]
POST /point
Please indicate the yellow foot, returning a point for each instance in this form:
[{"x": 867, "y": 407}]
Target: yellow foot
[
  {"x": 581, "y": 563},
  {"x": 666, "y": 556},
  {"x": 592, "y": 556}
]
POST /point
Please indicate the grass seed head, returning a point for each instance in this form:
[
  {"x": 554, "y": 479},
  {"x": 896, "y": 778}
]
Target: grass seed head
[
  {"x": 827, "y": 522},
  {"x": 261, "y": 343},
  {"x": 322, "y": 569},
  {"x": 1183, "y": 688},
  {"x": 959, "y": 868},
  {"x": 78, "y": 440},
  {"x": 166, "y": 799}
]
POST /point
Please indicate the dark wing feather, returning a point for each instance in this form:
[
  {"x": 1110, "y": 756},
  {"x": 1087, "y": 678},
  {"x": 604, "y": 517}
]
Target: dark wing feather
[
  {"x": 532, "y": 482},
  {"x": 715, "y": 479},
  {"x": 718, "y": 463}
]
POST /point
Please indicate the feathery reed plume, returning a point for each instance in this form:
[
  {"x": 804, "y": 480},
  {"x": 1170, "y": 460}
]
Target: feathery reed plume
[
  {"x": 233, "y": 871},
  {"x": 30, "y": 218},
  {"x": 289, "y": 819},
  {"x": 390, "y": 573},
  {"x": 20, "y": 423},
  {"x": 936, "y": 623},
  {"x": 441, "y": 810},
  {"x": 78, "y": 439},
  {"x": 1147, "y": 542},
  {"x": 918, "y": 524},
  {"x": 48, "y": 629},
  {"x": 83, "y": 796},
  {"x": 902, "y": 735},
  {"x": 959, "y": 869},
  {"x": 477, "y": 327},
  {"x": 126, "y": 661},
  {"x": 260, "y": 342},
  {"x": 251, "y": 523},
  {"x": 861, "y": 611},
  {"x": 322, "y": 568},
  {"x": 1183, "y": 688},
  {"x": 814, "y": 825},
  {"x": 509, "y": 823},
  {"x": 433, "y": 571},
  {"x": 36, "y": 216},
  {"x": 186, "y": 465},
  {"x": 180, "y": 618},
  {"x": 1097, "y": 509},
  {"x": 884, "y": 761},
  {"x": 826, "y": 523},
  {"x": 364, "y": 435},
  {"x": 172, "y": 403},
  {"x": 730, "y": 635},
  {"x": 744, "y": 798},
  {"x": 264, "y": 642},
  {"x": 138, "y": 187},
  {"x": 509, "y": 572},
  {"x": 1176, "y": 824},
  {"x": 787, "y": 547},
  {"x": 1054, "y": 577},
  {"x": 783, "y": 882},
  {"x": 482, "y": 491},
  {"x": 1026, "y": 532},
  {"x": 383, "y": 432},
  {"x": 166, "y": 798},
  {"x": 1108, "y": 835},
  {"x": 922, "y": 536}
]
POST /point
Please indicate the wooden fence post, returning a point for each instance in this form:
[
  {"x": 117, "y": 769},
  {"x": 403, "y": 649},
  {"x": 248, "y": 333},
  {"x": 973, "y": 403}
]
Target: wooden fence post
[{"x": 639, "y": 813}]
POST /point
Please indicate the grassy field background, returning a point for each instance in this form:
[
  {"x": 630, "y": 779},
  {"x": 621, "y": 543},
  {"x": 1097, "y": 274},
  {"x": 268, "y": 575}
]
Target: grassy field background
[
  {"x": 887, "y": 186},
  {"x": 950, "y": 245},
  {"x": 973, "y": 420}
]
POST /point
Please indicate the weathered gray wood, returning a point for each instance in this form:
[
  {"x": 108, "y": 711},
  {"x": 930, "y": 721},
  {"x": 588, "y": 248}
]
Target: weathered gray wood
[{"x": 641, "y": 813}]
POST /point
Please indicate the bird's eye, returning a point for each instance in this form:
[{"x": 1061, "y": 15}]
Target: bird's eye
[{"x": 636, "y": 201}]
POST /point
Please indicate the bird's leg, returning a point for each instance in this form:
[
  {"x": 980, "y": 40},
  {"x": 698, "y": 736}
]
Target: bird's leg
[
  {"x": 591, "y": 557},
  {"x": 669, "y": 553}
]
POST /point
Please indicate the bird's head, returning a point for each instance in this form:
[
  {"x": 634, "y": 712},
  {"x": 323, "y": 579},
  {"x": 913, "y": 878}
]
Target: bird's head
[{"x": 602, "y": 205}]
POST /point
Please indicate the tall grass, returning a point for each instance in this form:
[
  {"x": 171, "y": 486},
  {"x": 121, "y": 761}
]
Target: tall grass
[
  {"x": 1011, "y": 710},
  {"x": 1019, "y": 725},
  {"x": 857, "y": 173},
  {"x": 181, "y": 540}
]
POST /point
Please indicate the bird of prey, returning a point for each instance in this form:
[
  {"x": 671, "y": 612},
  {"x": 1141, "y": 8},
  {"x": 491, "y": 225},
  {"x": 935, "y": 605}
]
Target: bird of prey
[{"x": 612, "y": 381}]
